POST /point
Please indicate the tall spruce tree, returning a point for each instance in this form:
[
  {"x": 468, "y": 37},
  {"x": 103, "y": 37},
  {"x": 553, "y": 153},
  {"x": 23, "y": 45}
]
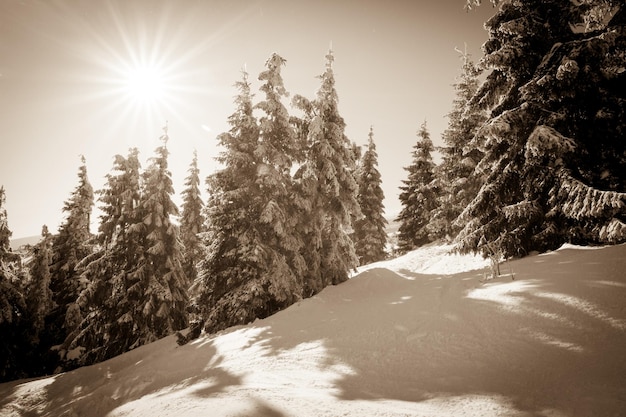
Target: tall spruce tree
[
  {"x": 553, "y": 159},
  {"x": 327, "y": 187},
  {"x": 165, "y": 292},
  {"x": 229, "y": 276},
  {"x": 418, "y": 195},
  {"x": 136, "y": 293},
  {"x": 69, "y": 247},
  {"x": 39, "y": 294},
  {"x": 14, "y": 321},
  {"x": 253, "y": 266},
  {"x": 192, "y": 222},
  {"x": 106, "y": 330},
  {"x": 40, "y": 304},
  {"x": 459, "y": 182},
  {"x": 278, "y": 149},
  {"x": 370, "y": 236}
]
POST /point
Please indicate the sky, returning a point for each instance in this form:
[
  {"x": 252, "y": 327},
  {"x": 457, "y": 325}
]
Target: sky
[{"x": 95, "y": 78}]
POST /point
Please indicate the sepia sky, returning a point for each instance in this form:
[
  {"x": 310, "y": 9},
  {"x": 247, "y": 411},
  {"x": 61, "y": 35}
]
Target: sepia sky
[{"x": 97, "y": 77}]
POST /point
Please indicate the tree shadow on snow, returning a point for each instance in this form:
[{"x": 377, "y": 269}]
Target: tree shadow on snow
[
  {"x": 101, "y": 388},
  {"x": 548, "y": 342}
]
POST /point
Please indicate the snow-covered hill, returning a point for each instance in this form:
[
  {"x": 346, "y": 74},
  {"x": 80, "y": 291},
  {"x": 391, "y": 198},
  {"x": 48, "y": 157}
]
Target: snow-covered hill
[{"x": 420, "y": 335}]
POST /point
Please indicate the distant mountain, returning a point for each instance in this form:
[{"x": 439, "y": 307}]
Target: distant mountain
[{"x": 18, "y": 243}]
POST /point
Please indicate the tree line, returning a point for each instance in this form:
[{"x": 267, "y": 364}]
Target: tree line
[{"x": 294, "y": 208}]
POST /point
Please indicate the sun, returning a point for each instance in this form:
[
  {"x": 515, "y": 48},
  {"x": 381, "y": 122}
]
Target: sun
[{"x": 145, "y": 85}]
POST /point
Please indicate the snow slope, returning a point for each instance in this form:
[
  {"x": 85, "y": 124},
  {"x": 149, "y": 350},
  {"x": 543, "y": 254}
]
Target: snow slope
[{"x": 420, "y": 335}]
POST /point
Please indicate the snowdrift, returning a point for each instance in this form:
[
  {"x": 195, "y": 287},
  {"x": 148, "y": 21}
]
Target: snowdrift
[{"x": 420, "y": 335}]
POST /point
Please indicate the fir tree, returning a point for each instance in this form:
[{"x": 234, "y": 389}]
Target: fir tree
[
  {"x": 418, "y": 195},
  {"x": 136, "y": 293},
  {"x": 5, "y": 232},
  {"x": 69, "y": 247},
  {"x": 192, "y": 222},
  {"x": 277, "y": 150},
  {"x": 232, "y": 267},
  {"x": 553, "y": 157},
  {"x": 40, "y": 304},
  {"x": 250, "y": 268},
  {"x": 165, "y": 292},
  {"x": 107, "y": 327},
  {"x": 370, "y": 235},
  {"x": 14, "y": 325},
  {"x": 458, "y": 181},
  {"x": 327, "y": 187}
]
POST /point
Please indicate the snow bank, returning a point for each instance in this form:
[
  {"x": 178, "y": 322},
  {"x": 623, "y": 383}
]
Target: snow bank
[
  {"x": 432, "y": 259},
  {"x": 406, "y": 337}
]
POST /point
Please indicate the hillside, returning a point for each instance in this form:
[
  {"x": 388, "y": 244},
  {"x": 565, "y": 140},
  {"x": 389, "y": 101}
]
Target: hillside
[
  {"x": 420, "y": 335},
  {"x": 19, "y": 242}
]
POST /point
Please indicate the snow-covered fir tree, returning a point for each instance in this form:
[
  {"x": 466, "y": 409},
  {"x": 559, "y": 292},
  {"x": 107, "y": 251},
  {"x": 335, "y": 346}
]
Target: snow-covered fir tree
[
  {"x": 120, "y": 199},
  {"x": 370, "y": 236},
  {"x": 165, "y": 294},
  {"x": 456, "y": 175},
  {"x": 253, "y": 266},
  {"x": 553, "y": 154},
  {"x": 39, "y": 294},
  {"x": 136, "y": 291},
  {"x": 327, "y": 188},
  {"x": 232, "y": 267},
  {"x": 192, "y": 222},
  {"x": 40, "y": 303},
  {"x": 278, "y": 149},
  {"x": 418, "y": 195},
  {"x": 111, "y": 271},
  {"x": 70, "y": 246},
  {"x": 14, "y": 325}
]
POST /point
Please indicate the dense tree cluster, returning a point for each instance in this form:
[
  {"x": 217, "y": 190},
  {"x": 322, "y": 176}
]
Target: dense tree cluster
[
  {"x": 534, "y": 155},
  {"x": 280, "y": 211},
  {"x": 277, "y": 227}
]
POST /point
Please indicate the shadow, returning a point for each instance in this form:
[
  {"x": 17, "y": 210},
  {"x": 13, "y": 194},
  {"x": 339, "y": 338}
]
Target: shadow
[
  {"x": 101, "y": 388},
  {"x": 261, "y": 409},
  {"x": 556, "y": 346}
]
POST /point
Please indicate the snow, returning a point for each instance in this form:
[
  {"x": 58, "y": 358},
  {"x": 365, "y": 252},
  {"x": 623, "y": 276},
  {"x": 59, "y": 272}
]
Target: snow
[{"x": 420, "y": 335}]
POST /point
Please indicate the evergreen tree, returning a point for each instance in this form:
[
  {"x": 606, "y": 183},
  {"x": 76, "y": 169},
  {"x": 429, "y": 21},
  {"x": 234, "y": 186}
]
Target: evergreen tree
[
  {"x": 370, "y": 236},
  {"x": 39, "y": 294},
  {"x": 230, "y": 273},
  {"x": 418, "y": 195},
  {"x": 106, "y": 328},
  {"x": 165, "y": 292},
  {"x": 40, "y": 304},
  {"x": 136, "y": 292},
  {"x": 458, "y": 181},
  {"x": 192, "y": 222},
  {"x": 252, "y": 265},
  {"x": 14, "y": 325},
  {"x": 327, "y": 188},
  {"x": 69, "y": 247},
  {"x": 5, "y": 232},
  {"x": 232, "y": 268},
  {"x": 553, "y": 157},
  {"x": 277, "y": 150}
]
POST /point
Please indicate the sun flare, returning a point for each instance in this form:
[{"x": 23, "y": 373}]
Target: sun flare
[{"x": 145, "y": 84}]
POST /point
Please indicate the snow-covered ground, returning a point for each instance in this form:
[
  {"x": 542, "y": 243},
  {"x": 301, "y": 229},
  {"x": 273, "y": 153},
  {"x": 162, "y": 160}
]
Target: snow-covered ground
[{"x": 420, "y": 335}]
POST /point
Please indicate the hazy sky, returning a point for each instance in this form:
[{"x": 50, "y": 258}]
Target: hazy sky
[{"x": 65, "y": 68}]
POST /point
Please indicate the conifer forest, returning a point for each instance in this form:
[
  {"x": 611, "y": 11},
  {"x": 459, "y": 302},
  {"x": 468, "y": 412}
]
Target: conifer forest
[{"x": 533, "y": 157}]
